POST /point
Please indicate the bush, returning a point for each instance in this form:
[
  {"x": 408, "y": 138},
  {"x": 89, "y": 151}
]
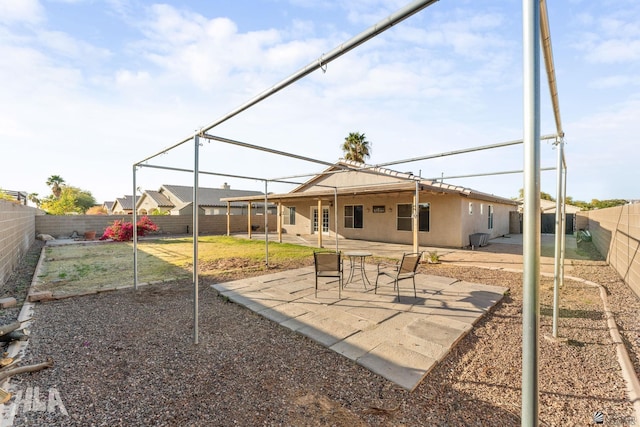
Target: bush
[{"x": 122, "y": 231}]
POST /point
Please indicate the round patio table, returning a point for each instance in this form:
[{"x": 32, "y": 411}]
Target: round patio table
[{"x": 356, "y": 260}]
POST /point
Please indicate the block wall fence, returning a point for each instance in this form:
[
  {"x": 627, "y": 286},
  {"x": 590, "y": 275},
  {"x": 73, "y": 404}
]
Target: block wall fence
[
  {"x": 64, "y": 225},
  {"x": 616, "y": 234},
  {"x": 17, "y": 234}
]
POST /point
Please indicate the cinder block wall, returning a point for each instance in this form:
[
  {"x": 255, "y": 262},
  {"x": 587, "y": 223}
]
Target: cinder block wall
[
  {"x": 616, "y": 235},
  {"x": 64, "y": 225},
  {"x": 17, "y": 234}
]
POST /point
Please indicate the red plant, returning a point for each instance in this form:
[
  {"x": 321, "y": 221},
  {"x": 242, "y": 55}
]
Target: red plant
[{"x": 122, "y": 231}]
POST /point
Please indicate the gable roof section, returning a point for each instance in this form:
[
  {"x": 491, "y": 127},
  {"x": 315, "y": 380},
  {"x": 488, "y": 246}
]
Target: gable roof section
[
  {"x": 355, "y": 178},
  {"x": 373, "y": 179},
  {"x": 125, "y": 202},
  {"x": 208, "y": 196},
  {"x": 159, "y": 199}
]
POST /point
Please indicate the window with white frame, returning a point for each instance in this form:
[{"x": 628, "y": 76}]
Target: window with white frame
[
  {"x": 353, "y": 216},
  {"x": 404, "y": 217},
  {"x": 289, "y": 215},
  {"x": 490, "y": 217}
]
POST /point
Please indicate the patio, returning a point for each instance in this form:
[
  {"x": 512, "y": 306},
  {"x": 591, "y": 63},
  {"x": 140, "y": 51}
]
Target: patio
[{"x": 400, "y": 341}]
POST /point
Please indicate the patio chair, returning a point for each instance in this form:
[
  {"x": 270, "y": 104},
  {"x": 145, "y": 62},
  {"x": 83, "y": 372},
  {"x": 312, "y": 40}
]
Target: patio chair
[
  {"x": 329, "y": 264},
  {"x": 406, "y": 268}
]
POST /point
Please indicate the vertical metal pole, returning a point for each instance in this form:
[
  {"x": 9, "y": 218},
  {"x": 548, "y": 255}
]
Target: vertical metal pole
[
  {"x": 335, "y": 214},
  {"x": 531, "y": 220},
  {"x": 228, "y": 218},
  {"x": 558, "y": 242},
  {"x": 564, "y": 219},
  {"x": 196, "y": 233},
  {"x": 319, "y": 222},
  {"x": 135, "y": 234},
  {"x": 279, "y": 219},
  {"x": 266, "y": 224},
  {"x": 416, "y": 219},
  {"x": 249, "y": 219}
]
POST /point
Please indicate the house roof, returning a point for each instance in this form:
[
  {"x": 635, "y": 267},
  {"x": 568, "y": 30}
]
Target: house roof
[
  {"x": 160, "y": 199},
  {"x": 397, "y": 182},
  {"x": 210, "y": 196},
  {"x": 125, "y": 202}
]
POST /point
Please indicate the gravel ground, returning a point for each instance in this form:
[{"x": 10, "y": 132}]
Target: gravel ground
[{"x": 127, "y": 359}]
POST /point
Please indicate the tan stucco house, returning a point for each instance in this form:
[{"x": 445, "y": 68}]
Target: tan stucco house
[
  {"x": 378, "y": 204},
  {"x": 122, "y": 206}
]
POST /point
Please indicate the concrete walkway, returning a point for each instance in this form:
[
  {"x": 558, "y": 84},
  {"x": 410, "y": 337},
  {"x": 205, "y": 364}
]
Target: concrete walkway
[{"x": 400, "y": 341}]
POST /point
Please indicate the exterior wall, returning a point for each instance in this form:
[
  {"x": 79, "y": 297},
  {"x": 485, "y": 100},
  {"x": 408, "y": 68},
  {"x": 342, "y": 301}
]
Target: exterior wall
[
  {"x": 148, "y": 205},
  {"x": 17, "y": 234},
  {"x": 478, "y": 222},
  {"x": 616, "y": 235},
  {"x": 450, "y": 224},
  {"x": 61, "y": 226}
]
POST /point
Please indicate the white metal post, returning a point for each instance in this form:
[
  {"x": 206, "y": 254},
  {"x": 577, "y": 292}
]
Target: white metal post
[
  {"x": 135, "y": 234},
  {"x": 196, "y": 232},
  {"x": 531, "y": 220},
  {"x": 558, "y": 242},
  {"x": 266, "y": 224}
]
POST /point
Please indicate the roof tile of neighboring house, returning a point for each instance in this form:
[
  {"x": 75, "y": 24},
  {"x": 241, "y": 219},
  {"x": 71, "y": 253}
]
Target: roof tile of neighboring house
[
  {"x": 160, "y": 199},
  {"x": 208, "y": 196},
  {"x": 126, "y": 202}
]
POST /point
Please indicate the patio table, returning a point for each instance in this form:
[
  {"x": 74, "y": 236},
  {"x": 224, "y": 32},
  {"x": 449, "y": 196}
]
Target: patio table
[{"x": 356, "y": 260}]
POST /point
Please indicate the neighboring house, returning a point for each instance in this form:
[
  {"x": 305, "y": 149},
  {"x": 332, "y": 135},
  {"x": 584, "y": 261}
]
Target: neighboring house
[
  {"x": 108, "y": 207},
  {"x": 178, "y": 200},
  {"x": 549, "y": 207},
  {"x": 377, "y": 204},
  {"x": 123, "y": 206}
]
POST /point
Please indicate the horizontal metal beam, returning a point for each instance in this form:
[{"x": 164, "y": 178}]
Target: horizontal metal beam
[{"x": 485, "y": 174}]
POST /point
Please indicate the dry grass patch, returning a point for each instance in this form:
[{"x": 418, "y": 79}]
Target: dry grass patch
[{"x": 81, "y": 268}]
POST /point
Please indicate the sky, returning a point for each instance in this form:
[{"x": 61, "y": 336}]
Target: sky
[{"x": 88, "y": 88}]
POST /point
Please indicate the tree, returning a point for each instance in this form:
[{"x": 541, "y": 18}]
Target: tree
[
  {"x": 96, "y": 210},
  {"x": 72, "y": 200},
  {"x": 55, "y": 182},
  {"x": 33, "y": 198},
  {"x": 356, "y": 147}
]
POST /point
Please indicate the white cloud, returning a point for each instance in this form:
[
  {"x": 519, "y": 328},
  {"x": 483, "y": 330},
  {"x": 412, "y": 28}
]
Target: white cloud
[{"x": 21, "y": 11}]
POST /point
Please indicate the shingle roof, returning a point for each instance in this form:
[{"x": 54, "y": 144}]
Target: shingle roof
[
  {"x": 208, "y": 196},
  {"x": 126, "y": 202},
  {"x": 160, "y": 199}
]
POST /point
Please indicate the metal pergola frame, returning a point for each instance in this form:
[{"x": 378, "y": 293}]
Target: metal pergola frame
[{"x": 535, "y": 33}]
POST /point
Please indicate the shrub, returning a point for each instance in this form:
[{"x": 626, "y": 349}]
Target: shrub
[{"x": 122, "y": 231}]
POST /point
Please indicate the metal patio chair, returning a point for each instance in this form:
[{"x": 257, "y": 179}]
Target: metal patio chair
[
  {"x": 329, "y": 264},
  {"x": 406, "y": 268}
]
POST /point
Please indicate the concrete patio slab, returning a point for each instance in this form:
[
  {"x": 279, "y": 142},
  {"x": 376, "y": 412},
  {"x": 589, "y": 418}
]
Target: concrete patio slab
[{"x": 399, "y": 340}]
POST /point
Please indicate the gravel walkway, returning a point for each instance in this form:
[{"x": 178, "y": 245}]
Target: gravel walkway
[{"x": 125, "y": 358}]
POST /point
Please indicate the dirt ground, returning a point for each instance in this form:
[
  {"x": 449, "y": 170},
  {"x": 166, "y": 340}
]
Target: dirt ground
[{"x": 250, "y": 371}]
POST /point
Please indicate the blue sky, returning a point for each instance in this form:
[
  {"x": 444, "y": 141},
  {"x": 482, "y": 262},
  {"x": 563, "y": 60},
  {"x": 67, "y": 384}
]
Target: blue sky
[{"x": 91, "y": 87}]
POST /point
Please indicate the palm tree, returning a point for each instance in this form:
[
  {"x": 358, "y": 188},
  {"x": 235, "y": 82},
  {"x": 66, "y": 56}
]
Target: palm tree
[
  {"x": 356, "y": 147},
  {"x": 55, "y": 182}
]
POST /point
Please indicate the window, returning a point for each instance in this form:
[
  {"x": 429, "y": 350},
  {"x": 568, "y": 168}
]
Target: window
[
  {"x": 481, "y": 208},
  {"x": 353, "y": 216},
  {"x": 470, "y": 208},
  {"x": 423, "y": 216},
  {"x": 490, "y": 216},
  {"x": 404, "y": 217},
  {"x": 290, "y": 215}
]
